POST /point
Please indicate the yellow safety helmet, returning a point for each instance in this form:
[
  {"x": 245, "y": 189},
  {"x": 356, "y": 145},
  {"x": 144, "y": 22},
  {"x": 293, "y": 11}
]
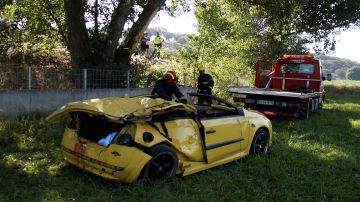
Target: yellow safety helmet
[{"x": 201, "y": 67}]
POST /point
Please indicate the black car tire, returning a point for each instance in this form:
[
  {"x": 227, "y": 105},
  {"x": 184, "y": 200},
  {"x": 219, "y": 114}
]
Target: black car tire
[
  {"x": 164, "y": 164},
  {"x": 260, "y": 142}
]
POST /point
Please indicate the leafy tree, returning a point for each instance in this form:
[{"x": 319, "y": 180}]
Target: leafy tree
[
  {"x": 236, "y": 33},
  {"x": 354, "y": 73},
  {"x": 102, "y": 41},
  {"x": 3, "y": 3},
  {"x": 32, "y": 26},
  {"x": 91, "y": 30},
  {"x": 313, "y": 21}
]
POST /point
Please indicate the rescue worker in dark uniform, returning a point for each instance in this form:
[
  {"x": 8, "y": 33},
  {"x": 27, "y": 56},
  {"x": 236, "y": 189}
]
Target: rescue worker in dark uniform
[
  {"x": 166, "y": 87},
  {"x": 205, "y": 84}
]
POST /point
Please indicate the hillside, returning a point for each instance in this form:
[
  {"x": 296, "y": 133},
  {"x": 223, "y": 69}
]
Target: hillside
[{"x": 338, "y": 67}]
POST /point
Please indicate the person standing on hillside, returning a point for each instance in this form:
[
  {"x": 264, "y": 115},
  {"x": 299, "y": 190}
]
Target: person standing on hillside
[
  {"x": 157, "y": 44},
  {"x": 145, "y": 40},
  {"x": 205, "y": 84}
]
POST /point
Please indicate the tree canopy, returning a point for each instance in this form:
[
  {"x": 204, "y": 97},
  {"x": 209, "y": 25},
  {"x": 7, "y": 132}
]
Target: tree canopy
[
  {"x": 284, "y": 25},
  {"x": 235, "y": 33},
  {"x": 91, "y": 30},
  {"x": 232, "y": 33}
]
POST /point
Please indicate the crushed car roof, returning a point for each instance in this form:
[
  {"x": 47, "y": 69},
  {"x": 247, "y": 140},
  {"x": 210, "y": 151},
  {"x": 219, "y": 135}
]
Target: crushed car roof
[{"x": 116, "y": 108}]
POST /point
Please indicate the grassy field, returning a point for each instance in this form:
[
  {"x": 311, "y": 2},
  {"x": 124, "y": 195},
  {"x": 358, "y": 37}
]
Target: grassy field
[{"x": 313, "y": 160}]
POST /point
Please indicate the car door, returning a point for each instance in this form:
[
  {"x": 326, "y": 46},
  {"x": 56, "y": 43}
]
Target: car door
[
  {"x": 223, "y": 137},
  {"x": 224, "y": 129}
]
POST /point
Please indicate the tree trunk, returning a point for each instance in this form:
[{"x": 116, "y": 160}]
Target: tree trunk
[
  {"x": 139, "y": 27},
  {"x": 123, "y": 53},
  {"x": 116, "y": 26},
  {"x": 77, "y": 36}
]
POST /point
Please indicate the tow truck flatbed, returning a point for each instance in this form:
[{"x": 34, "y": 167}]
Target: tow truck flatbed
[{"x": 272, "y": 92}]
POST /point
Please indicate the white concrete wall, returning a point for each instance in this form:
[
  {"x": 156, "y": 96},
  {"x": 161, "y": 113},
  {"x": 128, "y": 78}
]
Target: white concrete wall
[{"x": 14, "y": 103}]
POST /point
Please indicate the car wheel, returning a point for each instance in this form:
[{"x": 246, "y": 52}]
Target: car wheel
[
  {"x": 260, "y": 143},
  {"x": 163, "y": 164}
]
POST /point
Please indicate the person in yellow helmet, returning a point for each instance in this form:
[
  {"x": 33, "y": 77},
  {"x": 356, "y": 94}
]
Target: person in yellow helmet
[{"x": 205, "y": 84}]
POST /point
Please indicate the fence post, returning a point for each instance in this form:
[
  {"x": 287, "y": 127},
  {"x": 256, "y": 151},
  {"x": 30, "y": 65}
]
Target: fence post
[
  {"x": 128, "y": 79},
  {"x": 29, "y": 78},
  {"x": 84, "y": 78}
]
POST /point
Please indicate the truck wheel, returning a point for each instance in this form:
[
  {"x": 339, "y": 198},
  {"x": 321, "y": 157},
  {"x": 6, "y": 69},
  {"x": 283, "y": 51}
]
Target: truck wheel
[
  {"x": 304, "y": 113},
  {"x": 316, "y": 104},
  {"x": 164, "y": 164}
]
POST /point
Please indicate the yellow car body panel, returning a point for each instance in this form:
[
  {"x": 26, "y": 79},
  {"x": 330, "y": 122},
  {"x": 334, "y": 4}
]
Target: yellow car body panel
[
  {"x": 116, "y": 163},
  {"x": 258, "y": 120},
  {"x": 184, "y": 137},
  {"x": 223, "y": 138},
  {"x": 136, "y": 106},
  {"x": 191, "y": 167},
  {"x": 200, "y": 142}
]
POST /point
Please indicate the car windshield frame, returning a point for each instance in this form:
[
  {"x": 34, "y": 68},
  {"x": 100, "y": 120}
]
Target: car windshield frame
[{"x": 215, "y": 101}]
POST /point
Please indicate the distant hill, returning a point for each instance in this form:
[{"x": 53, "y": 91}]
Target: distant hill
[{"x": 338, "y": 67}]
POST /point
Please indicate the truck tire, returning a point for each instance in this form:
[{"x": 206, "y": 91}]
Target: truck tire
[{"x": 304, "y": 111}]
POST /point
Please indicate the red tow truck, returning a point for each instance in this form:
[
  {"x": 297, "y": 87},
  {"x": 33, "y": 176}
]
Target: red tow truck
[{"x": 291, "y": 86}]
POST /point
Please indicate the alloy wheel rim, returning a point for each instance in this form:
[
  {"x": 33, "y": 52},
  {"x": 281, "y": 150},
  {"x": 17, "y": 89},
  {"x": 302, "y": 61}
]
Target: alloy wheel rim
[
  {"x": 161, "y": 167},
  {"x": 261, "y": 143}
]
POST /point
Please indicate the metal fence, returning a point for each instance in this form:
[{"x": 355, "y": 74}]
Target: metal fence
[{"x": 19, "y": 78}]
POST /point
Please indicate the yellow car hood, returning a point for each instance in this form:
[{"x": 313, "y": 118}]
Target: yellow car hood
[
  {"x": 115, "y": 108},
  {"x": 252, "y": 114}
]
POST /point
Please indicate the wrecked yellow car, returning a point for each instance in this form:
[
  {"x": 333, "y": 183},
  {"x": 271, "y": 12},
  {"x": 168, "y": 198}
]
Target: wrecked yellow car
[{"x": 124, "y": 139}]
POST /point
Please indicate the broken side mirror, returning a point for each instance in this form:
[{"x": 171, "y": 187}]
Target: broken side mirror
[
  {"x": 328, "y": 77},
  {"x": 240, "y": 111}
]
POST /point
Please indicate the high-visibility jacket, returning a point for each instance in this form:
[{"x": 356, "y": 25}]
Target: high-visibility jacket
[{"x": 158, "y": 40}]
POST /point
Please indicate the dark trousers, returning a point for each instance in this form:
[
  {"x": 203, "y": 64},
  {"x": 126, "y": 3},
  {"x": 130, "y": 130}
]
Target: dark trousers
[{"x": 202, "y": 100}]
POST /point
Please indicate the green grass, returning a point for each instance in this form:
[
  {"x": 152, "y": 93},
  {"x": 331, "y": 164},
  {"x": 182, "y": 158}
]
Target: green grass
[{"x": 313, "y": 160}]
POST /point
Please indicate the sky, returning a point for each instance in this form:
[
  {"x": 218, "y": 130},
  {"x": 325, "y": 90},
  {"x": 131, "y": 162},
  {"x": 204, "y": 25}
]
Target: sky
[
  {"x": 183, "y": 24},
  {"x": 347, "y": 42},
  {"x": 348, "y": 45}
]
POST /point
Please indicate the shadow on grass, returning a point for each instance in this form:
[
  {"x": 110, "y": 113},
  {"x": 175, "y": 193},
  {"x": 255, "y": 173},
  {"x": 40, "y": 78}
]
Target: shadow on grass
[{"x": 313, "y": 160}]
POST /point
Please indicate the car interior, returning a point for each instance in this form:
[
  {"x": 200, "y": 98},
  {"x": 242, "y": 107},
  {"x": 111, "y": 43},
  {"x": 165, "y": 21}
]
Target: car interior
[{"x": 214, "y": 108}]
